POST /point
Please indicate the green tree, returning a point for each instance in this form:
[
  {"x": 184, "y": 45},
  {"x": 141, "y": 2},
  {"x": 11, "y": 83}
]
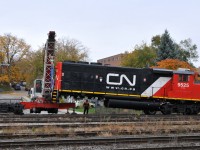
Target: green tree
[
  {"x": 167, "y": 48},
  {"x": 33, "y": 64},
  {"x": 31, "y": 67},
  {"x": 141, "y": 56},
  {"x": 188, "y": 51},
  {"x": 155, "y": 41}
]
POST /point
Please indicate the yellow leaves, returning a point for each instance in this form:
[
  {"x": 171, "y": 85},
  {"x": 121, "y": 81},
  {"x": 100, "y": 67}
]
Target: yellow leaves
[
  {"x": 13, "y": 72},
  {"x": 16, "y": 75},
  {"x": 2, "y": 57},
  {"x": 4, "y": 79}
]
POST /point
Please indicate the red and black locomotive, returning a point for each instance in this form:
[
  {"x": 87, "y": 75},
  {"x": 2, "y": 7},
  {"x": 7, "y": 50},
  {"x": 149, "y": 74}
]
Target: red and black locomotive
[{"x": 144, "y": 89}]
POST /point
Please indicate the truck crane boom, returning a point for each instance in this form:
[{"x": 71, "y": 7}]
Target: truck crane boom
[
  {"x": 49, "y": 51},
  {"x": 43, "y": 90}
]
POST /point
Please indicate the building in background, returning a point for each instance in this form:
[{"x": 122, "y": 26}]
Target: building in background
[{"x": 114, "y": 60}]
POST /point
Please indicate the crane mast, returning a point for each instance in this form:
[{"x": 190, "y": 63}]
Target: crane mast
[{"x": 49, "y": 53}]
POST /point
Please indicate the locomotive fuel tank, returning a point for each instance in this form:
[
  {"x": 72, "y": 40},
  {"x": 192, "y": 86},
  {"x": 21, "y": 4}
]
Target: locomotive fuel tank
[{"x": 137, "y": 105}]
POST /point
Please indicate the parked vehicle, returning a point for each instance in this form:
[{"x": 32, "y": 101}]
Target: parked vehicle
[{"x": 17, "y": 87}]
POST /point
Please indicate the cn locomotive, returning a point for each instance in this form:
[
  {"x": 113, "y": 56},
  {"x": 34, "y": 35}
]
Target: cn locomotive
[{"x": 147, "y": 89}]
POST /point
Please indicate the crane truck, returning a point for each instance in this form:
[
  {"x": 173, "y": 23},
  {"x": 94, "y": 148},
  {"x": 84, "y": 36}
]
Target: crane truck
[{"x": 42, "y": 93}]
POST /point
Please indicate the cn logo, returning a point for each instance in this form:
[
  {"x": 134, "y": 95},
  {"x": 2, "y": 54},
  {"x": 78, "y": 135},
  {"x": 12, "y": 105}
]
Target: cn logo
[{"x": 121, "y": 78}]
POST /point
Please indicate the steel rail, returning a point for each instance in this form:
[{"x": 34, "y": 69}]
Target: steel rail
[
  {"x": 98, "y": 141},
  {"x": 90, "y": 124},
  {"x": 71, "y": 134},
  {"x": 181, "y": 147},
  {"x": 100, "y": 115},
  {"x": 97, "y": 117}
]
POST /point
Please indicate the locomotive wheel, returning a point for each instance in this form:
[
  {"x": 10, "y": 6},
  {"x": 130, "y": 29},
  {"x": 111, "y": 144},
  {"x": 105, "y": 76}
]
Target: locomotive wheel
[
  {"x": 149, "y": 112},
  {"x": 165, "y": 110},
  {"x": 188, "y": 111}
]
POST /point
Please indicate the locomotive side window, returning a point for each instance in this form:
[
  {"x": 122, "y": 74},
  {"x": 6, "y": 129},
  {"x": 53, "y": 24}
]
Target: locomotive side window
[{"x": 183, "y": 78}]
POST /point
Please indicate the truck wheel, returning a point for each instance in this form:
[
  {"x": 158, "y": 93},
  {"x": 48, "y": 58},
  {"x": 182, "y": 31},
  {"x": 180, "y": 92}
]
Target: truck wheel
[
  {"x": 49, "y": 111},
  {"x": 188, "y": 111},
  {"x": 55, "y": 110},
  {"x": 38, "y": 110}
]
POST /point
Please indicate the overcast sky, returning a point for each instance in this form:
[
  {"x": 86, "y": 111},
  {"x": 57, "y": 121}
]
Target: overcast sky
[{"x": 106, "y": 27}]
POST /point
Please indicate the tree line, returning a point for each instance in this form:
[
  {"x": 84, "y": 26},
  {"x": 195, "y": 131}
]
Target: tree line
[
  {"x": 161, "y": 52},
  {"x": 19, "y": 62}
]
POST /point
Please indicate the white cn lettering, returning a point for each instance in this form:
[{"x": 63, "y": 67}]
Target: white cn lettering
[{"x": 121, "y": 78}]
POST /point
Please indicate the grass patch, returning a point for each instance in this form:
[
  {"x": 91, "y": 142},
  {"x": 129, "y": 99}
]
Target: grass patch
[
  {"x": 4, "y": 88},
  {"x": 104, "y": 110},
  {"x": 91, "y": 110}
]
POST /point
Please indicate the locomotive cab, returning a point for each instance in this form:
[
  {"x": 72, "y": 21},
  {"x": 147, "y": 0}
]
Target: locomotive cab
[{"x": 184, "y": 86}]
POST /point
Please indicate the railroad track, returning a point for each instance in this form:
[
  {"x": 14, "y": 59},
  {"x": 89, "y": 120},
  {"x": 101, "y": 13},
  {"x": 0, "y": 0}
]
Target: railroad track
[
  {"x": 94, "y": 124},
  {"x": 178, "y": 147},
  {"x": 100, "y": 141},
  {"x": 74, "y": 134},
  {"x": 43, "y": 130},
  {"x": 31, "y": 118},
  {"x": 78, "y": 126}
]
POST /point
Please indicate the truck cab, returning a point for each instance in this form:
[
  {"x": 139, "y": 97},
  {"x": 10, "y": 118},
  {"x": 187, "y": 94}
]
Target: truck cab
[{"x": 36, "y": 90}]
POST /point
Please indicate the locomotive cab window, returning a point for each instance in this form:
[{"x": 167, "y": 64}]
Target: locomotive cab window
[
  {"x": 197, "y": 79},
  {"x": 183, "y": 78}
]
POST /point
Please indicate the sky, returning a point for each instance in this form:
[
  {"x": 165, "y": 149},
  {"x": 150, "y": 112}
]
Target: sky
[{"x": 105, "y": 27}]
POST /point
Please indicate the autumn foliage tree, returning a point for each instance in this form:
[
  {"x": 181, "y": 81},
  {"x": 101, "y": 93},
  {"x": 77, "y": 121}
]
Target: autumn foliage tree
[
  {"x": 32, "y": 66},
  {"x": 173, "y": 64},
  {"x": 12, "y": 50}
]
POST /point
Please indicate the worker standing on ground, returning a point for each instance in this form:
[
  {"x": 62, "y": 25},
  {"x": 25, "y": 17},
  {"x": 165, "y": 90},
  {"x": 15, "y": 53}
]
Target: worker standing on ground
[{"x": 86, "y": 106}]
